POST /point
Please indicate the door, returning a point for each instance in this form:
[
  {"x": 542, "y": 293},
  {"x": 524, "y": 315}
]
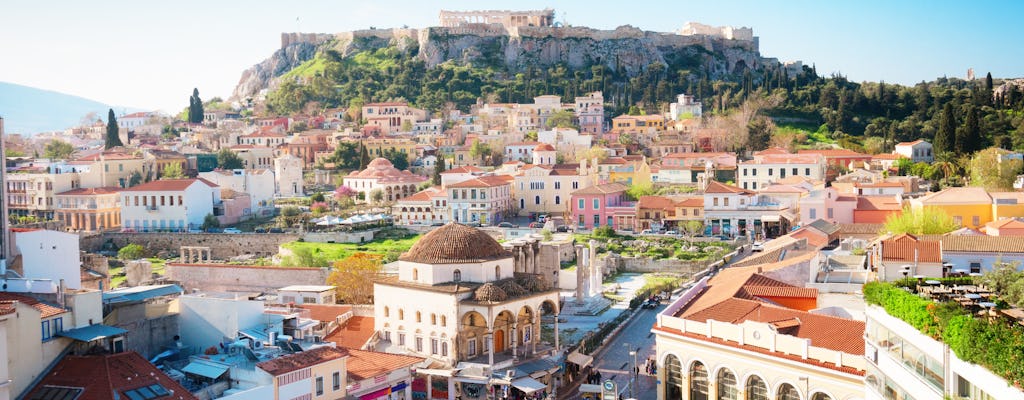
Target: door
[{"x": 499, "y": 341}]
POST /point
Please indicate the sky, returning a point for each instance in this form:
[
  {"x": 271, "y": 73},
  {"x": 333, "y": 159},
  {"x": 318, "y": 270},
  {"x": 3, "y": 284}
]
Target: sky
[{"x": 150, "y": 55}]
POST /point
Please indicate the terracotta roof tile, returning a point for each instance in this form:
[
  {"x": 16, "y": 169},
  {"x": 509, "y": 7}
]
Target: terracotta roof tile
[
  {"x": 834, "y": 153},
  {"x": 781, "y": 291},
  {"x": 483, "y": 181},
  {"x": 90, "y": 191},
  {"x": 656, "y": 202},
  {"x": 465, "y": 169},
  {"x": 718, "y": 187},
  {"x": 107, "y": 377},
  {"x": 1006, "y": 223},
  {"x": 423, "y": 195},
  {"x": 455, "y": 243},
  {"x": 958, "y": 195},
  {"x": 354, "y": 334},
  {"x": 293, "y": 362},
  {"x": 45, "y": 310},
  {"x": 363, "y": 364},
  {"x": 904, "y": 247},
  {"x": 325, "y": 312},
  {"x": 978, "y": 243},
  {"x": 607, "y": 188},
  {"x": 878, "y": 203}
]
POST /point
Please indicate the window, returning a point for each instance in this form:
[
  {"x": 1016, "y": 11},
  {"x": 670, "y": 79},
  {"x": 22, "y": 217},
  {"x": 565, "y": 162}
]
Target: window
[
  {"x": 471, "y": 347},
  {"x": 536, "y": 199},
  {"x": 958, "y": 220},
  {"x": 830, "y": 213},
  {"x": 597, "y": 220},
  {"x": 814, "y": 214},
  {"x": 387, "y": 312},
  {"x": 558, "y": 185},
  {"x": 770, "y": 171},
  {"x": 725, "y": 201},
  {"x": 444, "y": 349},
  {"x": 597, "y": 204},
  {"x": 610, "y": 222},
  {"x": 401, "y": 339},
  {"x": 415, "y": 274},
  {"x": 401, "y": 314},
  {"x": 788, "y": 392},
  {"x": 457, "y": 275},
  {"x": 497, "y": 272},
  {"x": 727, "y": 389},
  {"x": 582, "y": 204},
  {"x": 433, "y": 346},
  {"x": 714, "y": 201},
  {"x": 558, "y": 199},
  {"x": 975, "y": 267},
  {"x": 976, "y": 220},
  {"x": 807, "y": 171},
  {"x": 319, "y": 386},
  {"x": 419, "y": 344},
  {"x": 336, "y": 380},
  {"x": 47, "y": 333},
  {"x": 444, "y": 320},
  {"x": 305, "y": 300},
  {"x": 575, "y": 185},
  {"x": 744, "y": 172},
  {"x": 756, "y": 389},
  {"x": 698, "y": 381},
  {"x": 794, "y": 172},
  {"x": 753, "y": 172},
  {"x": 419, "y": 317},
  {"x": 581, "y": 220}
]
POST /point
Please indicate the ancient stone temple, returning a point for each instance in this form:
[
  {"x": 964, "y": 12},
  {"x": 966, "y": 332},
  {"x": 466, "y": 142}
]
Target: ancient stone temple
[{"x": 508, "y": 19}]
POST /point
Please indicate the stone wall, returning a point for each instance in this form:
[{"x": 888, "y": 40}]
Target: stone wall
[
  {"x": 153, "y": 325},
  {"x": 645, "y": 264},
  {"x": 242, "y": 278},
  {"x": 223, "y": 245},
  {"x": 340, "y": 237}
]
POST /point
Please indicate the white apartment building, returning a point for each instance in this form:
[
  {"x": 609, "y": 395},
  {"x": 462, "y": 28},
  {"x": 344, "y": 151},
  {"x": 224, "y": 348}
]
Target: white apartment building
[
  {"x": 917, "y": 151},
  {"x": 32, "y": 193},
  {"x": 169, "y": 204},
  {"x": 685, "y": 106},
  {"x": 486, "y": 200},
  {"x": 257, "y": 183},
  {"x": 767, "y": 169}
]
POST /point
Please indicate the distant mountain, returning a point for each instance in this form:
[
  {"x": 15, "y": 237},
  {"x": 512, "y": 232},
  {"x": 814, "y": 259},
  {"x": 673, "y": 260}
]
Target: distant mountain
[{"x": 27, "y": 110}]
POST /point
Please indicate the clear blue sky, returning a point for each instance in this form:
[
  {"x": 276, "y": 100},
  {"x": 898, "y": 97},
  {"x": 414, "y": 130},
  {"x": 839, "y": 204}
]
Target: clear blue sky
[{"x": 151, "y": 55}]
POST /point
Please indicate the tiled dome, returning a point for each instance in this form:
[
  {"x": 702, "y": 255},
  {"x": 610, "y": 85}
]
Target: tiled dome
[
  {"x": 455, "y": 243},
  {"x": 490, "y": 292},
  {"x": 544, "y": 147}
]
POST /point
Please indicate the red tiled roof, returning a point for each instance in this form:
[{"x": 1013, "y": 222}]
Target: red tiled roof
[
  {"x": 293, "y": 362},
  {"x": 107, "y": 377},
  {"x": 90, "y": 191},
  {"x": 109, "y": 156},
  {"x": 544, "y": 147},
  {"x": 718, "y": 187},
  {"x": 902, "y": 248},
  {"x": 781, "y": 291},
  {"x": 910, "y": 143},
  {"x": 354, "y": 334},
  {"x": 325, "y": 312},
  {"x": 834, "y": 153},
  {"x": 368, "y": 364},
  {"x": 7, "y": 307},
  {"x": 168, "y": 185},
  {"x": 1006, "y": 223},
  {"x": 483, "y": 181},
  {"x": 607, "y": 188},
  {"x": 656, "y": 202},
  {"x": 45, "y": 310},
  {"x": 423, "y": 195},
  {"x": 887, "y": 156},
  {"x": 691, "y": 202}
]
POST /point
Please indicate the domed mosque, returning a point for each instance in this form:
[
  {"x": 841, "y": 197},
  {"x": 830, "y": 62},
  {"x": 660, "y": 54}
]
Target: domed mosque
[{"x": 457, "y": 299}]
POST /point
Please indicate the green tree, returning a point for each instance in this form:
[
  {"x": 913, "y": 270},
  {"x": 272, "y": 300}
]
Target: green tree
[
  {"x": 346, "y": 156},
  {"x": 760, "y": 133},
  {"x": 1007, "y": 280},
  {"x": 317, "y": 197},
  {"x": 479, "y": 150},
  {"x": 945, "y": 138},
  {"x": 991, "y": 173},
  {"x": 636, "y": 191},
  {"x": 364, "y": 157},
  {"x": 58, "y": 150},
  {"x": 209, "y": 222},
  {"x": 131, "y": 251},
  {"x": 113, "y": 131},
  {"x": 134, "y": 179},
  {"x": 397, "y": 158},
  {"x": 920, "y": 221},
  {"x": 227, "y": 159},
  {"x": 439, "y": 167},
  {"x": 195, "y": 107},
  {"x": 562, "y": 119},
  {"x": 377, "y": 196},
  {"x": 968, "y": 138},
  {"x": 172, "y": 171}
]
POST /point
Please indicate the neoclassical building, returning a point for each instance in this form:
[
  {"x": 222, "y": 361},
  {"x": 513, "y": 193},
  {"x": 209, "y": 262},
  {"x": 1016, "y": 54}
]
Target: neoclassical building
[
  {"x": 381, "y": 174},
  {"x": 747, "y": 334},
  {"x": 457, "y": 300}
]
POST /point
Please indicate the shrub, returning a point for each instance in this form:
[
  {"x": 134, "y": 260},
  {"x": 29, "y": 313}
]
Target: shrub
[
  {"x": 604, "y": 232},
  {"x": 131, "y": 252}
]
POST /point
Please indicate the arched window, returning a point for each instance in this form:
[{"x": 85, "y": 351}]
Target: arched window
[
  {"x": 457, "y": 275},
  {"x": 522, "y": 203},
  {"x": 444, "y": 320},
  {"x": 387, "y": 312},
  {"x": 444, "y": 349},
  {"x": 673, "y": 378},
  {"x": 727, "y": 389},
  {"x": 497, "y": 272},
  {"x": 419, "y": 317},
  {"x": 558, "y": 199},
  {"x": 433, "y": 319},
  {"x": 698, "y": 381},
  {"x": 536, "y": 199},
  {"x": 415, "y": 274},
  {"x": 401, "y": 314},
  {"x": 756, "y": 389},
  {"x": 788, "y": 392},
  {"x": 820, "y": 396}
]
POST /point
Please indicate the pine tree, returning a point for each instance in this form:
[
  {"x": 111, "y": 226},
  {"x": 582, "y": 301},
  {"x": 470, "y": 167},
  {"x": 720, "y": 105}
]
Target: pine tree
[
  {"x": 195, "y": 107},
  {"x": 988, "y": 88},
  {"x": 969, "y": 137},
  {"x": 113, "y": 132},
  {"x": 945, "y": 138},
  {"x": 364, "y": 157},
  {"x": 439, "y": 167}
]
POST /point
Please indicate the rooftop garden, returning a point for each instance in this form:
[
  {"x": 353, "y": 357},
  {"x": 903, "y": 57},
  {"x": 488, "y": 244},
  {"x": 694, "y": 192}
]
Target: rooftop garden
[
  {"x": 986, "y": 338},
  {"x": 654, "y": 247}
]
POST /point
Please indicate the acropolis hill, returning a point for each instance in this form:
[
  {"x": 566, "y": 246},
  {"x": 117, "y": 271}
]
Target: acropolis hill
[{"x": 522, "y": 38}]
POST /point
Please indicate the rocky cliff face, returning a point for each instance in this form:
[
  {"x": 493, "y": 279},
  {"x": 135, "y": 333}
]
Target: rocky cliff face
[{"x": 626, "y": 48}]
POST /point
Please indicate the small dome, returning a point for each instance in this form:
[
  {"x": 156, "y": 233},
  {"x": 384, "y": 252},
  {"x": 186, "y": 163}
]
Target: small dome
[
  {"x": 490, "y": 292},
  {"x": 544, "y": 147},
  {"x": 512, "y": 288},
  {"x": 455, "y": 243},
  {"x": 533, "y": 282},
  {"x": 380, "y": 162}
]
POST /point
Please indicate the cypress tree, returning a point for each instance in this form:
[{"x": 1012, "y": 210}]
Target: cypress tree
[
  {"x": 439, "y": 167},
  {"x": 364, "y": 157},
  {"x": 988, "y": 88},
  {"x": 195, "y": 107},
  {"x": 945, "y": 138},
  {"x": 113, "y": 137},
  {"x": 969, "y": 137}
]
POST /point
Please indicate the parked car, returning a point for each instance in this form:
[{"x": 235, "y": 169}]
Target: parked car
[
  {"x": 232, "y": 230},
  {"x": 650, "y": 303},
  {"x": 646, "y": 232},
  {"x": 562, "y": 228},
  {"x": 275, "y": 230},
  {"x": 536, "y": 225},
  {"x": 505, "y": 225},
  {"x": 674, "y": 233},
  {"x": 260, "y": 230},
  {"x": 757, "y": 246}
]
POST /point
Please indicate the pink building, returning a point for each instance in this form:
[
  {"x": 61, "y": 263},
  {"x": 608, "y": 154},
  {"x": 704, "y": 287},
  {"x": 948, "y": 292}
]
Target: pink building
[
  {"x": 827, "y": 204},
  {"x": 602, "y": 205}
]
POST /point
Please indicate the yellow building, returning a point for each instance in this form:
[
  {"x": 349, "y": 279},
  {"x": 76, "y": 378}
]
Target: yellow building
[
  {"x": 312, "y": 374},
  {"x": 630, "y": 169},
  {"x": 1007, "y": 205},
  {"x": 635, "y": 123},
  {"x": 970, "y": 207}
]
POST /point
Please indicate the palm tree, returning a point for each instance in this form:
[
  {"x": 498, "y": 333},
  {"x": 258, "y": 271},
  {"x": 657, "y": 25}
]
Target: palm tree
[{"x": 947, "y": 168}]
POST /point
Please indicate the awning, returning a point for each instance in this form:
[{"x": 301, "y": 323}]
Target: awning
[
  {"x": 528, "y": 385},
  {"x": 205, "y": 368},
  {"x": 580, "y": 359},
  {"x": 92, "y": 332},
  {"x": 770, "y": 218}
]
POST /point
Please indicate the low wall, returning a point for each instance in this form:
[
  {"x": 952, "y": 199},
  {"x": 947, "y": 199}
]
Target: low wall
[
  {"x": 339, "y": 237},
  {"x": 645, "y": 264},
  {"x": 242, "y": 278},
  {"x": 222, "y": 245}
]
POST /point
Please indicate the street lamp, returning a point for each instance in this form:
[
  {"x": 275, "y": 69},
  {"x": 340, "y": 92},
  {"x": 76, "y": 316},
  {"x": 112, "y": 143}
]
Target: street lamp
[{"x": 634, "y": 372}]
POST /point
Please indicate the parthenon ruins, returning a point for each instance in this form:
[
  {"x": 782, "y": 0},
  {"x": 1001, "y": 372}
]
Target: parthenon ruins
[{"x": 508, "y": 19}]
